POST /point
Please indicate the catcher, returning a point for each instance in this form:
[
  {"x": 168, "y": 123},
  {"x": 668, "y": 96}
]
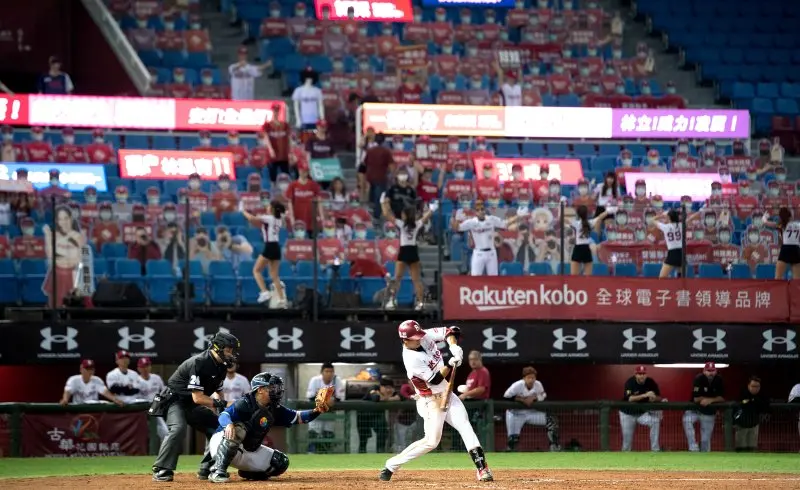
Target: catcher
[{"x": 243, "y": 425}]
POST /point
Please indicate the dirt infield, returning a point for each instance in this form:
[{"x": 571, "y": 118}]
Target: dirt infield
[{"x": 416, "y": 479}]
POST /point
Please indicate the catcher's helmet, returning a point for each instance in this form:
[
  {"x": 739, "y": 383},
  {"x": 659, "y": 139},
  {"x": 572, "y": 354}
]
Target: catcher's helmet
[
  {"x": 274, "y": 383},
  {"x": 410, "y": 330},
  {"x": 222, "y": 340}
]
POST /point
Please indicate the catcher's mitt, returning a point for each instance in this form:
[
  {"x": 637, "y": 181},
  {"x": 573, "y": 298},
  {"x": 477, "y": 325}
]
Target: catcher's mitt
[{"x": 323, "y": 399}]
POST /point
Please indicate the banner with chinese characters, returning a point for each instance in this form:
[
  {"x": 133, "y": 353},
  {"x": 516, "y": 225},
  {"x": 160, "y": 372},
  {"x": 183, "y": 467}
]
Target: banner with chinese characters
[
  {"x": 365, "y": 10},
  {"x": 411, "y": 57},
  {"x": 554, "y": 122},
  {"x": 509, "y": 4},
  {"x": 671, "y": 187},
  {"x": 510, "y": 57},
  {"x": 84, "y": 435},
  {"x": 620, "y": 299},
  {"x": 138, "y": 112},
  {"x": 567, "y": 171},
  {"x": 72, "y": 176},
  {"x": 175, "y": 165}
]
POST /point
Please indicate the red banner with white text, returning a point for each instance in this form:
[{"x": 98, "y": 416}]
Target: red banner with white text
[
  {"x": 175, "y": 165},
  {"x": 85, "y": 434},
  {"x": 365, "y": 10},
  {"x": 621, "y": 299},
  {"x": 138, "y": 112},
  {"x": 567, "y": 171}
]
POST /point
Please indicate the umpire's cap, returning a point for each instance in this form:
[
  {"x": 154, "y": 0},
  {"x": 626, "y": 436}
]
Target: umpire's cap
[{"x": 274, "y": 383}]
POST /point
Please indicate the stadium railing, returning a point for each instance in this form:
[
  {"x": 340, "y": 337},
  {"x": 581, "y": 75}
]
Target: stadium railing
[{"x": 583, "y": 426}]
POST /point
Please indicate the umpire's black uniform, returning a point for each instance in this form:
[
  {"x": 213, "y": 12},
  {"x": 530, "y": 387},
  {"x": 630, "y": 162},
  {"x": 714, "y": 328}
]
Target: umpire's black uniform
[{"x": 201, "y": 373}]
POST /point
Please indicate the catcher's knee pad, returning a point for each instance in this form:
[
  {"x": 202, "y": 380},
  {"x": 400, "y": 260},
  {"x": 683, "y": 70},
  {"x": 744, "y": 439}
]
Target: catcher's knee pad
[
  {"x": 253, "y": 475},
  {"x": 239, "y": 433},
  {"x": 278, "y": 464}
]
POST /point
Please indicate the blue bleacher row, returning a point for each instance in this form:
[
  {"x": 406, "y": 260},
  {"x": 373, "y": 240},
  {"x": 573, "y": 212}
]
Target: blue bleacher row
[
  {"x": 223, "y": 286},
  {"x": 649, "y": 269},
  {"x": 176, "y": 59},
  {"x": 191, "y": 75}
]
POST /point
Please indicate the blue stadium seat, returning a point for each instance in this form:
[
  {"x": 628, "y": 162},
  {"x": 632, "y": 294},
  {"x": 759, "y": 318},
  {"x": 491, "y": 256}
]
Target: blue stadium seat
[
  {"x": 10, "y": 291},
  {"x": 246, "y": 268},
  {"x": 32, "y": 267},
  {"x": 741, "y": 271},
  {"x": 303, "y": 268},
  {"x": 128, "y": 269},
  {"x": 510, "y": 269},
  {"x": 157, "y": 269},
  {"x": 765, "y": 271},
  {"x": 368, "y": 287},
  {"x": 625, "y": 270},
  {"x": 31, "y": 290},
  {"x": 540, "y": 269},
  {"x": 600, "y": 269},
  {"x": 710, "y": 271},
  {"x": 100, "y": 267}
]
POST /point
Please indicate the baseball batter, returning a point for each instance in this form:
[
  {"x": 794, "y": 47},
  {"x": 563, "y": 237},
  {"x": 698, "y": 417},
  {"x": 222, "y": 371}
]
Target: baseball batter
[
  {"x": 427, "y": 372},
  {"x": 149, "y": 385},
  {"x": 121, "y": 381},
  {"x": 707, "y": 389},
  {"x": 529, "y": 391},
  {"x": 640, "y": 389}
]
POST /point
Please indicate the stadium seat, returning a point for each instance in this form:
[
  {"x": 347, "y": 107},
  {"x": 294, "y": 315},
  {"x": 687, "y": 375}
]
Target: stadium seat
[
  {"x": 711, "y": 271},
  {"x": 765, "y": 271},
  {"x": 600, "y": 269},
  {"x": 741, "y": 271},
  {"x": 651, "y": 269},
  {"x": 625, "y": 270},
  {"x": 540, "y": 269},
  {"x": 510, "y": 269}
]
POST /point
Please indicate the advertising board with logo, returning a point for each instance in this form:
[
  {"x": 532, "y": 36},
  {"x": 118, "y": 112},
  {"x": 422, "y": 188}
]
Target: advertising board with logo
[
  {"x": 567, "y": 170},
  {"x": 138, "y": 112},
  {"x": 554, "y": 122},
  {"x": 671, "y": 187},
  {"x": 624, "y": 300},
  {"x": 503, "y": 341},
  {"x": 72, "y": 176},
  {"x": 175, "y": 165},
  {"x": 365, "y": 10},
  {"x": 84, "y": 435}
]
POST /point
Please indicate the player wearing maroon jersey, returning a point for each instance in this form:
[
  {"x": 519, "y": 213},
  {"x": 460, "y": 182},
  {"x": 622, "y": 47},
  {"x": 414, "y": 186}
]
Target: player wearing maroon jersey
[{"x": 279, "y": 133}]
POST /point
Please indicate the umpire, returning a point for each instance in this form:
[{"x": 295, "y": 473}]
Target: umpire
[{"x": 186, "y": 400}]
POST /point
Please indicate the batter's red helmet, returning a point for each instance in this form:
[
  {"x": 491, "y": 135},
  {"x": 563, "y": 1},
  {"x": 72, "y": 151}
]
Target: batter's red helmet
[{"x": 410, "y": 330}]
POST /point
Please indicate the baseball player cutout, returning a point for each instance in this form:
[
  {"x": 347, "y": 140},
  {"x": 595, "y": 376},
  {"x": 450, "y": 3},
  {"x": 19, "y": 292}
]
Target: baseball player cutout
[
  {"x": 427, "y": 372},
  {"x": 243, "y": 426},
  {"x": 235, "y": 385},
  {"x": 707, "y": 390},
  {"x": 121, "y": 381},
  {"x": 528, "y": 391},
  {"x": 482, "y": 229},
  {"x": 640, "y": 389}
]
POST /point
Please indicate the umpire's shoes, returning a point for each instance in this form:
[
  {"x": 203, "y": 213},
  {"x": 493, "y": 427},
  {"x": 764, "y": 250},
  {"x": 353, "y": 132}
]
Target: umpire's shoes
[
  {"x": 385, "y": 475},
  {"x": 219, "y": 477},
  {"x": 202, "y": 474},
  {"x": 162, "y": 475}
]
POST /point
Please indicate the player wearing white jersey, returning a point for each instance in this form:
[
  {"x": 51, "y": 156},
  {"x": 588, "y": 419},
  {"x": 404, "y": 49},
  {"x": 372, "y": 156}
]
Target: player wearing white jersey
[
  {"x": 121, "y": 381},
  {"x": 235, "y": 385},
  {"x": 243, "y": 76},
  {"x": 482, "y": 229},
  {"x": 149, "y": 385},
  {"x": 409, "y": 227},
  {"x": 583, "y": 226},
  {"x": 86, "y": 387},
  {"x": 270, "y": 258},
  {"x": 426, "y": 369},
  {"x": 673, "y": 236},
  {"x": 322, "y": 427},
  {"x": 528, "y": 391},
  {"x": 789, "y": 255}
]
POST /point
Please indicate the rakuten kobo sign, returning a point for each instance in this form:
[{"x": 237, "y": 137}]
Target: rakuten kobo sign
[{"x": 623, "y": 300}]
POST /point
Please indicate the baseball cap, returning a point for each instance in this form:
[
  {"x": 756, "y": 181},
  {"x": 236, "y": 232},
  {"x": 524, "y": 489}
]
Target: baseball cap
[
  {"x": 87, "y": 364},
  {"x": 641, "y": 370},
  {"x": 710, "y": 366},
  {"x": 144, "y": 362},
  {"x": 121, "y": 354}
]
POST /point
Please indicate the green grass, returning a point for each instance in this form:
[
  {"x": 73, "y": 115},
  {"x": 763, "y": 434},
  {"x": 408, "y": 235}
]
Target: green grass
[{"x": 754, "y": 463}]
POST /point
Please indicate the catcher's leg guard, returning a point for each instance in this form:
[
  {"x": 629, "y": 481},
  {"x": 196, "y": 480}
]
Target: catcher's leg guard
[
  {"x": 225, "y": 452},
  {"x": 278, "y": 464},
  {"x": 253, "y": 475}
]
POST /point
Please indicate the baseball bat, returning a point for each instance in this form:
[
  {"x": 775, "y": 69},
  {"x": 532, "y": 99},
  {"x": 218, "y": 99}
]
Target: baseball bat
[{"x": 446, "y": 400}]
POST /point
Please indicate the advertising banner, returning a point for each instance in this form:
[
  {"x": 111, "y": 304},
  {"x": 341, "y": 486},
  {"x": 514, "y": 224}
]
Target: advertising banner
[
  {"x": 568, "y": 171},
  {"x": 625, "y": 299},
  {"x": 137, "y": 112},
  {"x": 411, "y": 57},
  {"x": 175, "y": 165},
  {"x": 74, "y": 177},
  {"x": 64, "y": 435},
  {"x": 671, "y": 187},
  {"x": 508, "y": 4},
  {"x": 325, "y": 169},
  {"x": 367, "y": 10},
  {"x": 505, "y": 340},
  {"x": 554, "y": 122}
]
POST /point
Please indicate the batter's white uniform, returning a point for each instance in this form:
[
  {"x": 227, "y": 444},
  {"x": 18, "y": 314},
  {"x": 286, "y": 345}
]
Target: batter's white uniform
[
  {"x": 516, "y": 419},
  {"x": 484, "y": 256},
  {"x": 422, "y": 365},
  {"x": 129, "y": 379},
  {"x": 84, "y": 392},
  {"x": 314, "y": 385},
  {"x": 235, "y": 388},
  {"x": 147, "y": 390}
]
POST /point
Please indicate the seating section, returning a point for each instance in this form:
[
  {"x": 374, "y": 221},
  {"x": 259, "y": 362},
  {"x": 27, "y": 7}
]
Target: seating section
[
  {"x": 750, "y": 51},
  {"x": 570, "y": 58}
]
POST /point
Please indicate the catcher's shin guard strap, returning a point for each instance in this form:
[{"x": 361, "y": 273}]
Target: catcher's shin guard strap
[{"x": 306, "y": 416}]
